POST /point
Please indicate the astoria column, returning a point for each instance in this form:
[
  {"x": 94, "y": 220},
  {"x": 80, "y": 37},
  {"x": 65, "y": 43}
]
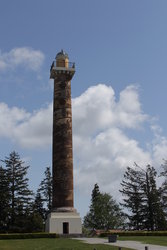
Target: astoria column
[
  {"x": 62, "y": 72},
  {"x": 63, "y": 217}
]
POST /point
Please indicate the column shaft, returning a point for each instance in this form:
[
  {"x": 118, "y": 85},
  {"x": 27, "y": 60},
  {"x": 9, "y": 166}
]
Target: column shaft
[{"x": 62, "y": 145}]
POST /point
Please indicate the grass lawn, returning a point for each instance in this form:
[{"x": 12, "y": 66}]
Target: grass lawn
[
  {"x": 51, "y": 244},
  {"x": 155, "y": 240}
]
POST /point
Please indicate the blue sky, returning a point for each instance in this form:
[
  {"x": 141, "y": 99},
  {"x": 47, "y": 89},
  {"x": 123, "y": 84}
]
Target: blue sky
[{"x": 119, "y": 89}]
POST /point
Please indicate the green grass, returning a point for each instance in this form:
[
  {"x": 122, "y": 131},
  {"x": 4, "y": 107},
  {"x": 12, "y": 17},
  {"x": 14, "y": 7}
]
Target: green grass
[
  {"x": 69, "y": 244},
  {"x": 51, "y": 244},
  {"x": 155, "y": 240}
]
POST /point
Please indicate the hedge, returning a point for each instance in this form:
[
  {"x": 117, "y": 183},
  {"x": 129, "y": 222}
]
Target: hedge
[
  {"x": 134, "y": 233},
  {"x": 27, "y": 236}
]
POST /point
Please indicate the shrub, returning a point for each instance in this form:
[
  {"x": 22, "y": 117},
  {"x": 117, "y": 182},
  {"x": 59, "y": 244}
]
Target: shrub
[
  {"x": 134, "y": 233},
  {"x": 28, "y": 236}
]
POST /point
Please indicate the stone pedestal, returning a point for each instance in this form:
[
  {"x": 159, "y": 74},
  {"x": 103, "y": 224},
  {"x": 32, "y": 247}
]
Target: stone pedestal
[{"x": 64, "y": 223}]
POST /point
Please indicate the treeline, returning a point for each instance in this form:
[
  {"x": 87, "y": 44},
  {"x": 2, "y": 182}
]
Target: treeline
[
  {"x": 144, "y": 205},
  {"x": 21, "y": 210},
  {"x": 145, "y": 202}
]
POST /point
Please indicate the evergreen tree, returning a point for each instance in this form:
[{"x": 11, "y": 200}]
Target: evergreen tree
[
  {"x": 95, "y": 193},
  {"x": 20, "y": 220},
  {"x": 4, "y": 200},
  {"x": 133, "y": 197},
  {"x": 142, "y": 199},
  {"x": 35, "y": 223},
  {"x": 163, "y": 188},
  {"x": 19, "y": 193},
  {"x": 46, "y": 188},
  {"x": 104, "y": 212},
  {"x": 38, "y": 206},
  {"x": 155, "y": 217},
  {"x": 92, "y": 218}
]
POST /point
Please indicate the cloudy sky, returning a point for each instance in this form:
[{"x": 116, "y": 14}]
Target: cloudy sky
[{"x": 118, "y": 91}]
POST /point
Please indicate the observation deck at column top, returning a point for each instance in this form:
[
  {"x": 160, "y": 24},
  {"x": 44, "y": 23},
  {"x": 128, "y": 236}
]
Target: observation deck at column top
[{"x": 62, "y": 67}]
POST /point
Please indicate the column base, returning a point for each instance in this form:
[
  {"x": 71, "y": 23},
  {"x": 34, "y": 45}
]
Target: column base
[{"x": 64, "y": 223}]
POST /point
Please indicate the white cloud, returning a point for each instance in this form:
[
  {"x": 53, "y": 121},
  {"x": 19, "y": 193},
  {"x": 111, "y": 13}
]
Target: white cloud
[
  {"x": 36, "y": 131},
  {"x": 158, "y": 145},
  {"x": 24, "y": 56},
  {"x": 102, "y": 146},
  {"x": 3, "y": 65},
  {"x": 97, "y": 109},
  {"x": 128, "y": 110},
  {"x": 10, "y": 119},
  {"x": 103, "y": 159},
  {"x": 28, "y": 130}
]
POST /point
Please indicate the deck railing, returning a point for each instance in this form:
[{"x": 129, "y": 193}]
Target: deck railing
[{"x": 71, "y": 65}]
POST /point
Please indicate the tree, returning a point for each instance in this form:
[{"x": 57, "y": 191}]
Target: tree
[
  {"x": 104, "y": 212},
  {"x": 155, "y": 217},
  {"x": 152, "y": 203},
  {"x": 35, "y": 223},
  {"x": 31, "y": 219},
  {"x": 4, "y": 199},
  {"x": 92, "y": 217},
  {"x": 163, "y": 188},
  {"x": 133, "y": 197},
  {"x": 46, "y": 188},
  {"x": 142, "y": 199},
  {"x": 38, "y": 206},
  {"x": 95, "y": 193},
  {"x": 19, "y": 193}
]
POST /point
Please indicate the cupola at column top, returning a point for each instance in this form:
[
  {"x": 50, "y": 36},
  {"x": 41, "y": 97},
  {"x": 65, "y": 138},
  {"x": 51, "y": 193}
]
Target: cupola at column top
[
  {"x": 62, "y": 67},
  {"x": 62, "y": 59},
  {"x": 62, "y": 54}
]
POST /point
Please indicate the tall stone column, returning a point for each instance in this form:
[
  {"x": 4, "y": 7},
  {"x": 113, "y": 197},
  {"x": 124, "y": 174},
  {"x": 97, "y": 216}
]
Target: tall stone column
[
  {"x": 62, "y": 135},
  {"x": 63, "y": 218}
]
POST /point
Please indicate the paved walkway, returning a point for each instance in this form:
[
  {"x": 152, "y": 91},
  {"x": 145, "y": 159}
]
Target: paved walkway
[{"x": 129, "y": 244}]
